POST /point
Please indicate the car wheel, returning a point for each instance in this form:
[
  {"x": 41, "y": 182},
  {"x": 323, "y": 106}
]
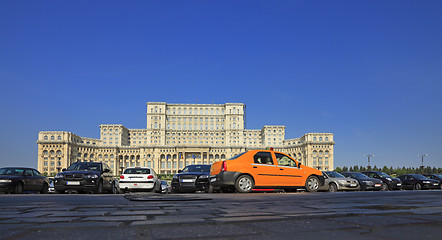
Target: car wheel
[
  {"x": 332, "y": 187},
  {"x": 210, "y": 189},
  {"x": 417, "y": 186},
  {"x": 114, "y": 189},
  {"x": 19, "y": 188},
  {"x": 312, "y": 184},
  {"x": 384, "y": 187},
  {"x": 58, "y": 191},
  {"x": 99, "y": 189},
  {"x": 45, "y": 189},
  {"x": 244, "y": 184}
]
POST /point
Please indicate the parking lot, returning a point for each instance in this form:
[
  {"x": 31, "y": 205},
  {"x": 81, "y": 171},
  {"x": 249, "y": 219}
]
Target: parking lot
[{"x": 357, "y": 215}]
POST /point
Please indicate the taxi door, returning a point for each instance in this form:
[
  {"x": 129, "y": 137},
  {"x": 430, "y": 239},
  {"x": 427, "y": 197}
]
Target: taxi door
[
  {"x": 264, "y": 171},
  {"x": 288, "y": 171}
]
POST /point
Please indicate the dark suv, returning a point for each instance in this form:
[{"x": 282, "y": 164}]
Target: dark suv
[
  {"x": 86, "y": 177},
  {"x": 390, "y": 183},
  {"x": 191, "y": 179}
]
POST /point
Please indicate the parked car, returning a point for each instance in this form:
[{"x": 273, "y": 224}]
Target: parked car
[
  {"x": 418, "y": 182},
  {"x": 389, "y": 183},
  {"x": 86, "y": 177},
  {"x": 365, "y": 182},
  {"x": 435, "y": 177},
  {"x": 21, "y": 179},
  {"x": 264, "y": 169},
  {"x": 165, "y": 187},
  {"x": 191, "y": 179},
  {"x": 139, "y": 179},
  {"x": 334, "y": 182}
]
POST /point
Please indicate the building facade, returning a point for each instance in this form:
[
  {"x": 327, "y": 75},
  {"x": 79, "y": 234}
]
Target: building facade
[{"x": 178, "y": 135}]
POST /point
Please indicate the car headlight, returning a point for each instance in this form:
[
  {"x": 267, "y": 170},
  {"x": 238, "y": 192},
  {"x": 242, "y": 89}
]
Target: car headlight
[
  {"x": 204, "y": 176},
  {"x": 368, "y": 182},
  {"x": 342, "y": 182},
  {"x": 91, "y": 176},
  {"x": 427, "y": 182},
  {"x": 59, "y": 175},
  {"x": 5, "y": 180},
  {"x": 389, "y": 179}
]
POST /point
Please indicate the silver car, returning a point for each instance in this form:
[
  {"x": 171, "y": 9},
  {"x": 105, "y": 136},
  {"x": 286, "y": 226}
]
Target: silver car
[{"x": 337, "y": 182}]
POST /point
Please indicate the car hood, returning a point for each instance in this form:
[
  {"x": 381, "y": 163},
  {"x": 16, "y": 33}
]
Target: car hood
[
  {"x": 341, "y": 178},
  {"x": 81, "y": 172},
  {"x": 11, "y": 177}
]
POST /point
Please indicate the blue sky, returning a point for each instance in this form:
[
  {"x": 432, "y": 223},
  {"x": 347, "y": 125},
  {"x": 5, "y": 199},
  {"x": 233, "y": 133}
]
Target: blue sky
[{"x": 368, "y": 71}]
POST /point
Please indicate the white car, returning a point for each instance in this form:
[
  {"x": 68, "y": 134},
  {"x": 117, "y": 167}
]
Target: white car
[{"x": 139, "y": 179}]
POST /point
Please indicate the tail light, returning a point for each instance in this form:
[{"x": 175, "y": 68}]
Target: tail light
[
  {"x": 224, "y": 166},
  {"x": 150, "y": 177},
  {"x": 121, "y": 177}
]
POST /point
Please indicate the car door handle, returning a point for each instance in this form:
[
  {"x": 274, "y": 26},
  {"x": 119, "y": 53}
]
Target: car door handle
[
  {"x": 255, "y": 167},
  {"x": 281, "y": 169}
]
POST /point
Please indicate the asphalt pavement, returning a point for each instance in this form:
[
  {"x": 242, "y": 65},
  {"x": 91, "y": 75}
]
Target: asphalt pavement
[{"x": 346, "y": 215}]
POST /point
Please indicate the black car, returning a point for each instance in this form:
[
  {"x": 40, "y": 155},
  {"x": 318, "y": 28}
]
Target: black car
[
  {"x": 435, "y": 177},
  {"x": 191, "y": 179},
  {"x": 418, "y": 182},
  {"x": 86, "y": 177},
  {"x": 389, "y": 183},
  {"x": 365, "y": 182},
  {"x": 19, "y": 180}
]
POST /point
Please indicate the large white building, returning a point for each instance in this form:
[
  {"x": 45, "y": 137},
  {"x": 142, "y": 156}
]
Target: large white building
[{"x": 177, "y": 135}]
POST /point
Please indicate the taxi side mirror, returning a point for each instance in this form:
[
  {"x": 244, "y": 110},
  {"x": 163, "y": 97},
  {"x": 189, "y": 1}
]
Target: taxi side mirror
[{"x": 299, "y": 165}]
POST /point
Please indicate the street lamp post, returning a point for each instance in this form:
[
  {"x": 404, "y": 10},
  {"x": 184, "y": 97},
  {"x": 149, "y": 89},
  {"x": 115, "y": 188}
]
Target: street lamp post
[
  {"x": 369, "y": 156},
  {"x": 422, "y": 156}
]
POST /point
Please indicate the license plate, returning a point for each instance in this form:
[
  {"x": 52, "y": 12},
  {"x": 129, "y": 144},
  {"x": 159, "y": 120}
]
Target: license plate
[
  {"x": 377, "y": 185},
  {"x": 399, "y": 184},
  {"x": 73, "y": 183},
  {"x": 353, "y": 185},
  {"x": 436, "y": 184},
  {"x": 187, "y": 180}
]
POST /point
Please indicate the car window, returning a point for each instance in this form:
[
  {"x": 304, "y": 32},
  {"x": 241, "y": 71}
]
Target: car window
[
  {"x": 284, "y": 160},
  {"x": 197, "y": 168},
  {"x": 137, "y": 171},
  {"x": 29, "y": 172},
  {"x": 88, "y": 166},
  {"x": 263, "y": 158},
  {"x": 36, "y": 173},
  {"x": 372, "y": 175}
]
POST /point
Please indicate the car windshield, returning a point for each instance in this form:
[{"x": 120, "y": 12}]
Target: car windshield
[
  {"x": 197, "y": 168},
  {"x": 334, "y": 175},
  {"x": 382, "y": 174},
  {"x": 11, "y": 171},
  {"x": 87, "y": 166},
  {"x": 236, "y": 156},
  {"x": 137, "y": 171},
  {"x": 419, "y": 177},
  {"x": 358, "y": 175}
]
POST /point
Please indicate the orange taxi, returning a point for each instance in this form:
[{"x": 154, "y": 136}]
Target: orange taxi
[{"x": 263, "y": 169}]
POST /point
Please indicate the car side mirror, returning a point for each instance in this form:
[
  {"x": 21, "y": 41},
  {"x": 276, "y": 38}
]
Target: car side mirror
[
  {"x": 179, "y": 171},
  {"x": 64, "y": 169},
  {"x": 106, "y": 170}
]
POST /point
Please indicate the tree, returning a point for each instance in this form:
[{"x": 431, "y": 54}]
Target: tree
[{"x": 338, "y": 169}]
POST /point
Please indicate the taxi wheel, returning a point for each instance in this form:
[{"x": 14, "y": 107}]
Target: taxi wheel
[
  {"x": 332, "y": 187},
  {"x": 244, "y": 184},
  {"x": 312, "y": 184}
]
